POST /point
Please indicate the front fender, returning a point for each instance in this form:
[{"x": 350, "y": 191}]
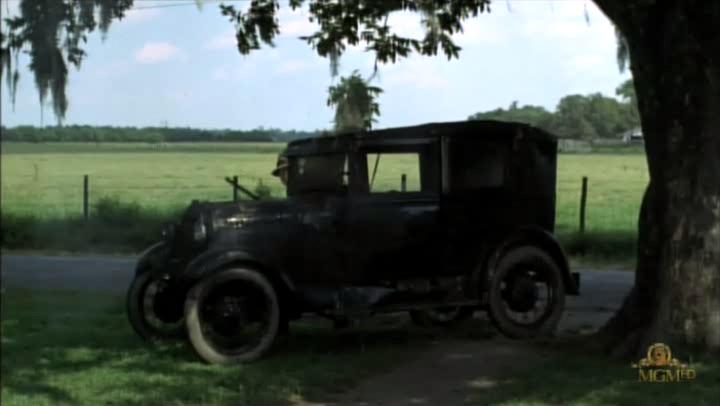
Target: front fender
[
  {"x": 214, "y": 261},
  {"x": 152, "y": 257}
]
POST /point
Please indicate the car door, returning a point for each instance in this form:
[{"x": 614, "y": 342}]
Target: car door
[
  {"x": 318, "y": 185},
  {"x": 390, "y": 223}
]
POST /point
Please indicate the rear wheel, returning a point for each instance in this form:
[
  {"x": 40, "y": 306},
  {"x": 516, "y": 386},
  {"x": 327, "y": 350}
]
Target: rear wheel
[
  {"x": 155, "y": 307},
  {"x": 441, "y": 316},
  {"x": 233, "y": 316},
  {"x": 526, "y": 295}
]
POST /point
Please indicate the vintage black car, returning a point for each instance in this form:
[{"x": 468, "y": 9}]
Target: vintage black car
[{"x": 438, "y": 220}]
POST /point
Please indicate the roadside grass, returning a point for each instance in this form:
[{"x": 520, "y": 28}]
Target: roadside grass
[
  {"x": 69, "y": 348},
  {"x": 118, "y": 227},
  {"x": 572, "y": 377}
]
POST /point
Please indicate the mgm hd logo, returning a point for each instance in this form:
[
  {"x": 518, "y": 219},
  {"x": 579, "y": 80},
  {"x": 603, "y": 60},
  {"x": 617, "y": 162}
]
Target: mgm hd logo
[{"x": 660, "y": 366}]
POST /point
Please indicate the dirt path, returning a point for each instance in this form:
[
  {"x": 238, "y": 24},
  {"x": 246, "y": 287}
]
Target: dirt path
[{"x": 450, "y": 373}]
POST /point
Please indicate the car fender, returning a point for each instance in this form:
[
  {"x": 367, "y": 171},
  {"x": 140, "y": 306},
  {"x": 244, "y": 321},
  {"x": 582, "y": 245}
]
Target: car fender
[
  {"x": 150, "y": 258},
  {"x": 544, "y": 240},
  {"x": 213, "y": 261}
]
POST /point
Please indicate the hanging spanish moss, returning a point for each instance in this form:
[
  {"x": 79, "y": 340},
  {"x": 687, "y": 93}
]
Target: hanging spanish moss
[
  {"x": 355, "y": 103},
  {"x": 51, "y": 32}
]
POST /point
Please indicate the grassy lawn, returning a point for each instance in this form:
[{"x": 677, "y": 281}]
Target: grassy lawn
[
  {"x": 74, "y": 348},
  {"x": 570, "y": 377},
  {"x": 78, "y": 349}
]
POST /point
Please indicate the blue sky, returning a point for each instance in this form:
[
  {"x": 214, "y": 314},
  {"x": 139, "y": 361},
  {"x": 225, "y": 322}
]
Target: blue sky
[{"x": 180, "y": 65}]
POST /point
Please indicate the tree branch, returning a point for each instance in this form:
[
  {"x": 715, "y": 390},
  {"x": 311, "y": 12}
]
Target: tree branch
[{"x": 620, "y": 12}]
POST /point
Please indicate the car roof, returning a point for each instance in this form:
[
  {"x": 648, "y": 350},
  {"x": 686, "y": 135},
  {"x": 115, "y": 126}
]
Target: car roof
[{"x": 458, "y": 129}]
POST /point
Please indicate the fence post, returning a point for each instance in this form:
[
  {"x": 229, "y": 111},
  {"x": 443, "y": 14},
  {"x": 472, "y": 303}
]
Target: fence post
[
  {"x": 583, "y": 202},
  {"x": 85, "y": 197},
  {"x": 235, "y": 191},
  {"x": 403, "y": 183}
]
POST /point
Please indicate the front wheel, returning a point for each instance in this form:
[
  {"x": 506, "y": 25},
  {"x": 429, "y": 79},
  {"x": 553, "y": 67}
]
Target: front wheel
[
  {"x": 526, "y": 295},
  {"x": 155, "y": 307},
  {"x": 233, "y": 316}
]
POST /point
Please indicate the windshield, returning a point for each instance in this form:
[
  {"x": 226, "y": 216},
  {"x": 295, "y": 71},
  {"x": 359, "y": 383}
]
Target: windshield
[{"x": 317, "y": 173}]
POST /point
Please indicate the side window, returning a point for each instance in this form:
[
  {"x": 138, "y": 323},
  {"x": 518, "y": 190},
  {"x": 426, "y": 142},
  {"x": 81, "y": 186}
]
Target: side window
[
  {"x": 478, "y": 166},
  {"x": 393, "y": 172},
  {"x": 317, "y": 173}
]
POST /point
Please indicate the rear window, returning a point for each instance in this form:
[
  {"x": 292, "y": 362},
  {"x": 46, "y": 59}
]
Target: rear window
[
  {"x": 477, "y": 166},
  {"x": 393, "y": 172}
]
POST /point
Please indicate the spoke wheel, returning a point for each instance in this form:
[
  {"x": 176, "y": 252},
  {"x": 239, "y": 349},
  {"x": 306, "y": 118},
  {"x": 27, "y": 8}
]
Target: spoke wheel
[
  {"x": 233, "y": 316},
  {"x": 155, "y": 307},
  {"x": 527, "y": 295}
]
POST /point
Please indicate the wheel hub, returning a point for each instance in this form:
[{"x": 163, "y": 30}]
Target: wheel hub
[
  {"x": 228, "y": 316},
  {"x": 523, "y": 294},
  {"x": 167, "y": 304}
]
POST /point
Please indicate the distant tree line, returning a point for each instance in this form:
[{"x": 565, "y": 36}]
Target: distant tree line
[
  {"x": 84, "y": 133},
  {"x": 577, "y": 116}
]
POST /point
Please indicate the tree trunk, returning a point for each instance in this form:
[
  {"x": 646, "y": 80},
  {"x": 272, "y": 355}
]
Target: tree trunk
[{"x": 674, "y": 54}]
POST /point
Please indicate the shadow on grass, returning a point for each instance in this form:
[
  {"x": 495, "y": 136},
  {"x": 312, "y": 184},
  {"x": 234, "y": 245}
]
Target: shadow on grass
[
  {"x": 571, "y": 376},
  {"x": 77, "y": 348}
]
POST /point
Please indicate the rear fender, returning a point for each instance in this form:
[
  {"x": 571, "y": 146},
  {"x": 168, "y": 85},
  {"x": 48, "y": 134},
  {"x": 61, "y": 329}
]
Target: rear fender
[{"x": 548, "y": 243}]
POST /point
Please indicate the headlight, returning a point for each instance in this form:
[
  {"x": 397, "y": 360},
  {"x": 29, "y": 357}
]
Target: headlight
[
  {"x": 168, "y": 232},
  {"x": 199, "y": 230}
]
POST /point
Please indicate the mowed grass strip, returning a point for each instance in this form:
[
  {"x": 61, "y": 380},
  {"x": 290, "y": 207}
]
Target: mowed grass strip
[
  {"x": 46, "y": 180},
  {"x": 76, "y": 348}
]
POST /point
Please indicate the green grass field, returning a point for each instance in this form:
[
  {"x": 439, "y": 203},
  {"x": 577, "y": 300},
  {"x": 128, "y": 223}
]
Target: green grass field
[{"x": 45, "y": 180}]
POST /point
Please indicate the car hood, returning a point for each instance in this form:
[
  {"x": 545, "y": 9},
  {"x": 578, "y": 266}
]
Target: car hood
[{"x": 235, "y": 214}]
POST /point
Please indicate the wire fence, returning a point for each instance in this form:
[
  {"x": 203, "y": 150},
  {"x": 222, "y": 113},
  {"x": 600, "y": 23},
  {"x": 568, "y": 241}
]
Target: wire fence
[{"x": 608, "y": 207}]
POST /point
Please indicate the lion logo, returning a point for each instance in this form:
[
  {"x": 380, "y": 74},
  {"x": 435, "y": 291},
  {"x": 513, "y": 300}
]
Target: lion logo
[{"x": 659, "y": 355}]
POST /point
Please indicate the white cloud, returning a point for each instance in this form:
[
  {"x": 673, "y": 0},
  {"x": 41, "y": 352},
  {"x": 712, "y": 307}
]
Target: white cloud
[
  {"x": 220, "y": 73},
  {"x": 155, "y": 52},
  {"x": 567, "y": 21},
  {"x": 292, "y": 66},
  {"x": 479, "y": 31},
  {"x": 113, "y": 69},
  {"x": 241, "y": 70},
  {"x": 225, "y": 40},
  {"x": 417, "y": 71},
  {"x": 298, "y": 28},
  {"x": 406, "y": 24},
  {"x": 295, "y": 23},
  {"x": 584, "y": 62},
  {"x": 179, "y": 98},
  {"x": 140, "y": 16}
]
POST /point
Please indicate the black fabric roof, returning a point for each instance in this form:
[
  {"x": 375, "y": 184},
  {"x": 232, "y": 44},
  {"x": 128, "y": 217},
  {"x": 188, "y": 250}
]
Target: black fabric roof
[{"x": 467, "y": 128}]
